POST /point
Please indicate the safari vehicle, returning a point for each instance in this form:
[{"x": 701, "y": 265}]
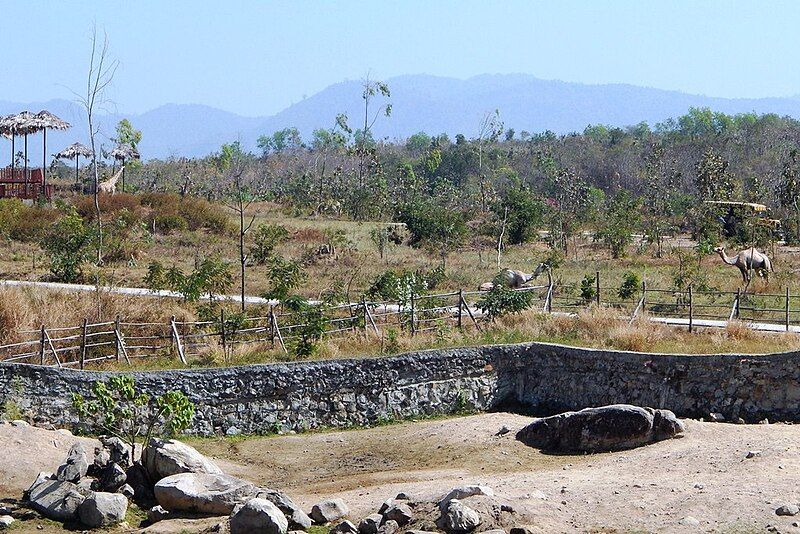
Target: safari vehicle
[{"x": 734, "y": 214}]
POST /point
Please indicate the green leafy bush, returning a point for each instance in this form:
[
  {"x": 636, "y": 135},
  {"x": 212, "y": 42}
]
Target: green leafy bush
[
  {"x": 631, "y": 284},
  {"x": 265, "y": 239},
  {"x": 120, "y": 410},
  {"x": 69, "y": 245},
  {"x": 588, "y": 289},
  {"x": 502, "y": 300}
]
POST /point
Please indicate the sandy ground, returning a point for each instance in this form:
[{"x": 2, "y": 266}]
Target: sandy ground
[{"x": 705, "y": 475}]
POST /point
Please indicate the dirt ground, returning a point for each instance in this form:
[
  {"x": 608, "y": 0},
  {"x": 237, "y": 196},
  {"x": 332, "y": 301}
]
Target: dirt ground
[{"x": 704, "y": 475}]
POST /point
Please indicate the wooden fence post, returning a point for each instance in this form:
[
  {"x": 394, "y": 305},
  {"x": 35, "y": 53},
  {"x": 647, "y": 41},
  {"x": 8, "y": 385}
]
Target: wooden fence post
[
  {"x": 41, "y": 346},
  {"x": 116, "y": 338},
  {"x": 471, "y": 316},
  {"x": 460, "y": 309},
  {"x": 83, "y": 343},
  {"x": 176, "y": 337},
  {"x": 644, "y": 296},
  {"x": 413, "y": 315},
  {"x": 597, "y": 287},
  {"x": 278, "y": 334},
  {"x": 787, "y": 308},
  {"x": 691, "y": 309},
  {"x": 222, "y": 334}
]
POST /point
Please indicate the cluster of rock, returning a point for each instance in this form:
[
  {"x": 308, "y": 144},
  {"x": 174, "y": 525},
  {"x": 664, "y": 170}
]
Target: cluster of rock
[
  {"x": 95, "y": 494},
  {"x": 607, "y": 428}
]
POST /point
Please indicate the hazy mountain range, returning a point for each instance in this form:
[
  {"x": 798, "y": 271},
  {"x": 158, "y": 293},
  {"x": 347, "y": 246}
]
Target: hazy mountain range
[{"x": 420, "y": 103}]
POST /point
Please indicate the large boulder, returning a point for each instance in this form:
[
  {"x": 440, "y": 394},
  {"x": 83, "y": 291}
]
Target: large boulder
[
  {"x": 401, "y": 513},
  {"x": 75, "y": 466},
  {"x": 258, "y": 516},
  {"x": 163, "y": 458},
  {"x": 202, "y": 492},
  {"x": 101, "y": 509},
  {"x": 608, "y": 428},
  {"x": 112, "y": 477},
  {"x": 298, "y": 519},
  {"x": 370, "y": 524},
  {"x": 462, "y": 492},
  {"x": 329, "y": 511},
  {"x": 55, "y": 499},
  {"x": 118, "y": 452},
  {"x": 458, "y": 517}
]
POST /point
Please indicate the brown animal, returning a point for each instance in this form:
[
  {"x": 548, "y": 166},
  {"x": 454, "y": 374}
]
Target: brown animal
[{"x": 746, "y": 261}]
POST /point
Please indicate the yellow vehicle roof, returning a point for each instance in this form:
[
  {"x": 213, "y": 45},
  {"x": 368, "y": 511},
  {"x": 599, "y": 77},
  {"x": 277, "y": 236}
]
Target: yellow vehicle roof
[{"x": 752, "y": 205}]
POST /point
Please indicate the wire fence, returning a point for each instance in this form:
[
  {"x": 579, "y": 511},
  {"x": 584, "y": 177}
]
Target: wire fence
[{"x": 92, "y": 343}]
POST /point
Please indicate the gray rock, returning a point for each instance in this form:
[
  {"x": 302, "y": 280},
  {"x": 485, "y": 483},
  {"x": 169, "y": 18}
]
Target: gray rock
[
  {"x": 112, "y": 477},
  {"x": 56, "y": 499},
  {"x": 138, "y": 480},
  {"x": 156, "y": 514},
  {"x": 119, "y": 453},
  {"x": 258, "y": 516},
  {"x": 752, "y": 454},
  {"x": 101, "y": 460},
  {"x": 232, "y": 431},
  {"x": 370, "y": 524},
  {"x": 101, "y": 509},
  {"x": 329, "y": 511},
  {"x": 388, "y": 503},
  {"x": 88, "y": 484},
  {"x": 462, "y": 492},
  {"x": 608, "y": 428},
  {"x": 20, "y": 423},
  {"x": 202, "y": 492},
  {"x": 163, "y": 458},
  {"x": 689, "y": 521},
  {"x": 716, "y": 417},
  {"x": 788, "y": 509},
  {"x": 401, "y": 513},
  {"x": 75, "y": 466},
  {"x": 298, "y": 519},
  {"x": 127, "y": 491},
  {"x": 460, "y": 518},
  {"x": 389, "y": 527},
  {"x": 345, "y": 527},
  {"x": 402, "y": 496},
  {"x": 6, "y": 521},
  {"x": 412, "y": 531}
]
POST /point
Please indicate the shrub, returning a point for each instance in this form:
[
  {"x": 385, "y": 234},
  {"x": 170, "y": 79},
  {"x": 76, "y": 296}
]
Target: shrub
[
  {"x": 169, "y": 223},
  {"x": 109, "y": 205},
  {"x": 631, "y": 283},
  {"x": 32, "y": 223},
  {"x": 119, "y": 410},
  {"x": 265, "y": 239},
  {"x": 588, "y": 290},
  {"x": 199, "y": 213},
  {"x": 313, "y": 321},
  {"x": 69, "y": 245},
  {"x": 284, "y": 276},
  {"x": 397, "y": 286},
  {"x": 502, "y": 300}
]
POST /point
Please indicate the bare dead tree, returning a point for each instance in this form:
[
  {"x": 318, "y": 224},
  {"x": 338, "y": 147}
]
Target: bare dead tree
[{"x": 100, "y": 75}]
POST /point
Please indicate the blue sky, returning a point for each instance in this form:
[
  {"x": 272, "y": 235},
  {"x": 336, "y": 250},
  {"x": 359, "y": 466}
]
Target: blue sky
[{"x": 256, "y": 57}]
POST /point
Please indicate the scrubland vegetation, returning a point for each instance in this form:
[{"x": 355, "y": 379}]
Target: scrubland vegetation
[{"x": 344, "y": 216}]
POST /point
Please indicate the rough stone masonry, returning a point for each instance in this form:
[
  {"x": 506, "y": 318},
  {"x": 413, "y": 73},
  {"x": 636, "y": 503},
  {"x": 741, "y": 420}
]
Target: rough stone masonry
[{"x": 537, "y": 377}]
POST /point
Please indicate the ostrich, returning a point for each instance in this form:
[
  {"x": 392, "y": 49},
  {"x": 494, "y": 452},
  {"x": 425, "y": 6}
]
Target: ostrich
[
  {"x": 515, "y": 279},
  {"x": 747, "y": 260}
]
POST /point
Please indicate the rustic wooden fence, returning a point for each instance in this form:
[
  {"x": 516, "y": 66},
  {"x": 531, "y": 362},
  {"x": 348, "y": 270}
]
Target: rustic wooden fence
[{"x": 121, "y": 341}]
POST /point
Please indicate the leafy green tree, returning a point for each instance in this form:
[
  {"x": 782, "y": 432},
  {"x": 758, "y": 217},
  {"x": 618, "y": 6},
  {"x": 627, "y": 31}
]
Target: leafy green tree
[
  {"x": 285, "y": 139},
  {"x": 127, "y": 135},
  {"x": 713, "y": 180},
  {"x": 789, "y": 189},
  {"x": 265, "y": 239},
  {"x": 439, "y": 230},
  {"x": 284, "y": 276},
  {"x": 120, "y": 410},
  {"x": 418, "y": 143},
  {"x": 313, "y": 320},
  {"x": 523, "y": 213},
  {"x": 621, "y": 220},
  {"x": 70, "y": 244}
]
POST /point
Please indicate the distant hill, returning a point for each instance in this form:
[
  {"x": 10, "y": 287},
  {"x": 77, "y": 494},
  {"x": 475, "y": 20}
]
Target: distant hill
[{"x": 420, "y": 103}]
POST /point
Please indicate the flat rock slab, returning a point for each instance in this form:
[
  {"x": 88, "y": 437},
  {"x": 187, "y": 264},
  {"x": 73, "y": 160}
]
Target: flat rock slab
[
  {"x": 607, "y": 428},
  {"x": 163, "y": 458},
  {"x": 202, "y": 492},
  {"x": 56, "y": 499},
  {"x": 258, "y": 516}
]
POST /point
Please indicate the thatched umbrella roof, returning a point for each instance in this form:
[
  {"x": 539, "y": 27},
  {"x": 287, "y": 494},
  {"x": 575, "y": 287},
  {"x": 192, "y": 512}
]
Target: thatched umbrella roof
[
  {"x": 47, "y": 120},
  {"x": 23, "y": 123},
  {"x": 123, "y": 152},
  {"x": 75, "y": 149}
]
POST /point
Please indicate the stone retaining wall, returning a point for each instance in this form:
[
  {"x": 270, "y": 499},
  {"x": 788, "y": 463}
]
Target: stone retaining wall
[{"x": 542, "y": 378}]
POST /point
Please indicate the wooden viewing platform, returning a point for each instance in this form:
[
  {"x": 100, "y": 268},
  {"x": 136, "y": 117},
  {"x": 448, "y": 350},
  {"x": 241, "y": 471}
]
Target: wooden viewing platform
[{"x": 24, "y": 184}]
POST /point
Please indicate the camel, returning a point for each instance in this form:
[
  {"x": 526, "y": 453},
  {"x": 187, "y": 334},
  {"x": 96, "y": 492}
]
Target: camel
[
  {"x": 515, "y": 279},
  {"x": 110, "y": 186},
  {"x": 748, "y": 260}
]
